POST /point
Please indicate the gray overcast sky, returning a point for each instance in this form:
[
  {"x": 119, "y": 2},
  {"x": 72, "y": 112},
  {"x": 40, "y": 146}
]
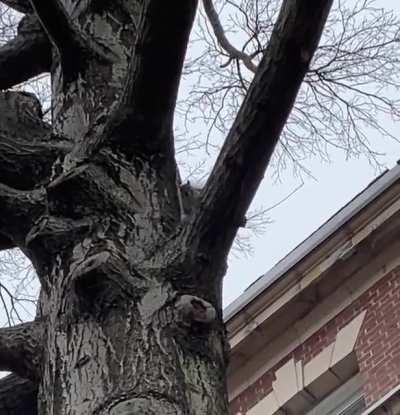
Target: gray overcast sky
[{"x": 336, "y": 183}]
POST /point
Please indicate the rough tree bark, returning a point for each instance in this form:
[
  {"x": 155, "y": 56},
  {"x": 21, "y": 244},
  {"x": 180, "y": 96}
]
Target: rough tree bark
[{"x": 130, "y": 313}]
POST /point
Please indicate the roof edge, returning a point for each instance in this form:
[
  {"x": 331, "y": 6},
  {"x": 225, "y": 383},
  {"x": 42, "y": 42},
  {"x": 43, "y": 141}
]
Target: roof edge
[{"x": 363, "y": 199}]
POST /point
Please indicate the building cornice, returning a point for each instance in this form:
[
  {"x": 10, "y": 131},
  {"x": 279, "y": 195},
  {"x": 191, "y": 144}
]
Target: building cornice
[{"x": 331, "y": 243}]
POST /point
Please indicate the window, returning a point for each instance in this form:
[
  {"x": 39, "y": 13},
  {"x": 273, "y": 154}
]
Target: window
[{"x": 347, "y": 399}]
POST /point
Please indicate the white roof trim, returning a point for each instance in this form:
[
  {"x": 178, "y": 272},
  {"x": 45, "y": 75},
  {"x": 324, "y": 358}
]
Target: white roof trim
[{"x": 370, "y": 193}]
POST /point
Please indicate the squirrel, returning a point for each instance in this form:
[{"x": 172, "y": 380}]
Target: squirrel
[{"x": 189, "y": 198}]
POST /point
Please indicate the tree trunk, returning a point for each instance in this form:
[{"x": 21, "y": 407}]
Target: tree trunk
[
  {"x": 115, "y": 349},
  {"x": 125, "y": 333},
  {"x": 130, "y": 313}
]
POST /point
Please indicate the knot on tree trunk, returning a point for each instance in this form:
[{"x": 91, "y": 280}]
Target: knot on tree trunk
[
  {"x": 144, "y": 405},
  {"x": 194, "y": 309},
  {"x": 102, "y": 277}
]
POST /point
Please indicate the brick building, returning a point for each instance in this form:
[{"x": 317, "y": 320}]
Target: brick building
[{"x": 319, "y": 333}]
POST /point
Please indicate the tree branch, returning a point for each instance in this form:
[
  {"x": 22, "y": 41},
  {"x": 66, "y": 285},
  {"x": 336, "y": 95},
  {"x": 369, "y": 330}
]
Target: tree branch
[
  {"x": 74, "y": 48},
  {"x": 19, "y": 210},
  {"x": 248, "y": 147},
  {"x": 223, "y": 40},
  {"x": 21, "y": 349},
  {"x": 25, "y": 56},
  {"x": 144, "y": 117},
  {"x": 6, "y": 243},
  {"x": 60, "y": 29},
  {"x": 18, "y": 396},
  {"x": 22, "y": 6},
  {"x": 28, "y": 149}
]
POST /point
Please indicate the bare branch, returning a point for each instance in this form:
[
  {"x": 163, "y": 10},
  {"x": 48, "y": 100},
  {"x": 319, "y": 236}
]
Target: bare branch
[
  {"x": 144, "y": 117},
  {"x": 18, "y": 396},
  {"x": 22, "y": 6},
  {"x": 249, "y": 145},
  {"x": 223, "y": 40},
  {"x": 21, "y": 349},
  {"x": 353, "y": 81},
  {"x": 25, "y": 56}
]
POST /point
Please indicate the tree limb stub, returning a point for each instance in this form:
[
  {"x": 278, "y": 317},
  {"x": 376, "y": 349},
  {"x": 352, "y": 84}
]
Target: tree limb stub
[
  {"x": 18, "y": 396},
  {"x": 73, "y": 46},
  {"x": 25, "y": 56},
  {"x": 141, "y": 120},
  {"x": 28, "y": 149},
  {"x": 21, "y": 349},
  {"x": 195, "y": 310},
  {"x": 18, "y": 211},
  {"x": 22, "y": 6},
  {"x": 251, "y": 140}
]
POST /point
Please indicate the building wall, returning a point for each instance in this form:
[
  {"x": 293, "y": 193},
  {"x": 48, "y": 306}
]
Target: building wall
[{"x": 377, "y": 347}]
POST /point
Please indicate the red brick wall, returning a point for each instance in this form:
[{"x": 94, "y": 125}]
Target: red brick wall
[{"x": 377, "y": 347}]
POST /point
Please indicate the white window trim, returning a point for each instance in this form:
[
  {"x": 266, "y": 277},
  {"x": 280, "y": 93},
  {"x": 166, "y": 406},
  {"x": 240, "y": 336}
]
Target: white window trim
[{"x": 340, "y": 401}]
